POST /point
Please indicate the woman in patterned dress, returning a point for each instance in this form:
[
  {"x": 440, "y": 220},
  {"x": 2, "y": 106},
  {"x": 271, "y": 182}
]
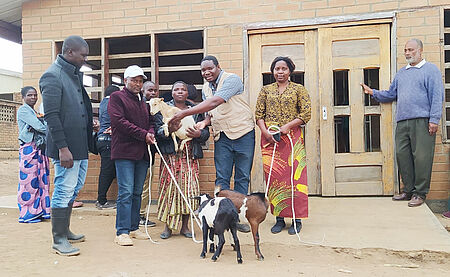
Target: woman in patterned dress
[
  {"x": 184, "y": 165},
  {"x": 286, "y": 105},
  {"x": 33, "y": 192}
]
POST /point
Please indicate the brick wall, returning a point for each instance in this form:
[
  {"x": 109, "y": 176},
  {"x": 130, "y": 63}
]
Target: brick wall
[{"x": 223, "y": 20}]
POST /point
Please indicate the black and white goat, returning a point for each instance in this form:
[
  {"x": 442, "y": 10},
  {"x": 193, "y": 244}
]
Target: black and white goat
[{"x": 218, "y": 215}]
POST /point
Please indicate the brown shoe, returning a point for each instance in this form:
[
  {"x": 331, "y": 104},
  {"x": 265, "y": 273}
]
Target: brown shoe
[
  {"x": 402, "y": 197},
  {"x": 416, "y": 201}
]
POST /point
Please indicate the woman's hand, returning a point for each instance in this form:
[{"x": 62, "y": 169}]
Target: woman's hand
[
  {"x": 268, "y": 137},
  {"x": 193, "y": 132},
  {"x": 284, "y": 130}
]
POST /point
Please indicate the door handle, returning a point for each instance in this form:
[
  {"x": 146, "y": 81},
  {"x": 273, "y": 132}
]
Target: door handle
[{"x": 324, "y": 113}]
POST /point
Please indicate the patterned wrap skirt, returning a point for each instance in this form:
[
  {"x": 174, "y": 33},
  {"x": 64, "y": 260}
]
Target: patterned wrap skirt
[
  {"x": 282, "y": 179},
  {"x": 33, "y": 193},
  {"x": 171, "y": 205}
]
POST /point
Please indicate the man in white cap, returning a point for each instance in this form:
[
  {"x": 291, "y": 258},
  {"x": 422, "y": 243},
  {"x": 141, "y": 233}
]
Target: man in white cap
[{"x": 132, "y": 130}]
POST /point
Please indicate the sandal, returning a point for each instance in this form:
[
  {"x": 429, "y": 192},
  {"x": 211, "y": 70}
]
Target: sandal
[
  {"x": 166, "y": 234},
  {"x": 187, "y": 234}
]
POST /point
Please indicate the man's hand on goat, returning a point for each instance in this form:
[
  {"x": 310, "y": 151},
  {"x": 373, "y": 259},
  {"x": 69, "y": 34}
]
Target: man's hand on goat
[
  {"x": 176, "y": 119},
  {"x": 150, "y": 138},
  {"x": 193, "y": 132}
]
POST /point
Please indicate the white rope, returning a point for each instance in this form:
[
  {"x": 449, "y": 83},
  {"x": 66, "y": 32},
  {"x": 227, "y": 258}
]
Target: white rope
[
  {"x": 149, "y": 197},
  {"x": 273, "y": 153},
  {"x": 292, "y": 182},
  {"x": 188, "y": 192},
  {"x": 176, "y": 184}
]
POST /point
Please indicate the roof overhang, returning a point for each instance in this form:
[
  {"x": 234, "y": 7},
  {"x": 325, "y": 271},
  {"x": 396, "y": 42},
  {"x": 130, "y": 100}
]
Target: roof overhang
[{"x": 11, "y": 19}]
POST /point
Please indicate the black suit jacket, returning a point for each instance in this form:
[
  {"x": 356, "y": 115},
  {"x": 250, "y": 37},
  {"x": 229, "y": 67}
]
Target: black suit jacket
[{"x": 67, "y": 109}]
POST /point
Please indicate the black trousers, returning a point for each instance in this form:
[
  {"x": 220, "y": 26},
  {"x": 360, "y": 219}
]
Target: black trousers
[{"x": 107, "y": 170}]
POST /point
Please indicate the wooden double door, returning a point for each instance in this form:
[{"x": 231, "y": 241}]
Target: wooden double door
[{"x": 349, "y": 139}]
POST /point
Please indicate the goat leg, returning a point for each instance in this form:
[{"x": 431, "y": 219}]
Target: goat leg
[
  {"x": 205, "y": 230},
  {"x": 211, "y": 239},
  {"x": 237, "y": 245},
  {"x": 175, "y": 143},
  {"x": 219, "y": 247},
  {"x": 254, "y": 226}
]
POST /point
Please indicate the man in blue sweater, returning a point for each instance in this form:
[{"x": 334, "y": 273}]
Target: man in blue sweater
[{"x": 419, "y": 92}]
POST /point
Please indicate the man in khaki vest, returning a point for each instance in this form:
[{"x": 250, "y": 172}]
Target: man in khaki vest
[{"x": 233, "y": 125}]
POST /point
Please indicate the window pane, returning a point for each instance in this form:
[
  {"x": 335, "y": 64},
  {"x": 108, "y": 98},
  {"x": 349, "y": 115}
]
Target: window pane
[
  {"x": 180, "y": 41},
  {"x": 126, "y": 45},
  {"x": 372, "y": 133},
  {"x": 447, "y": 95},
  {"x": 340, "y": 88},
  {"x": 341, "y": 134},
  {"x": 298, "y": 77},
  {"x": 446, "y": 18},
  {"x": 447, "y": 39},
  {"x": 372, "y": 79}
]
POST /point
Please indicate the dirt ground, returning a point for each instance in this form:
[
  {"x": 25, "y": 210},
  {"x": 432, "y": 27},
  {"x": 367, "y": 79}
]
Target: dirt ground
[{"x": 25, "y": 250}]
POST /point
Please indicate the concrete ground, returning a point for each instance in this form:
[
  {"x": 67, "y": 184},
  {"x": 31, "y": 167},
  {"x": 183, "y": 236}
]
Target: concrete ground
[{"x": 375, "y": 222}]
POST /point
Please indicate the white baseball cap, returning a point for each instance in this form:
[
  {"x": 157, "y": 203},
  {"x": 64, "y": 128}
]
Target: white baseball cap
[{"x": 133, "y": 71}]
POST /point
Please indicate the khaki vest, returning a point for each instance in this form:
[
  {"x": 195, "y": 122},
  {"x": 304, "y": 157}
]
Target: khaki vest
[{"x": 233, "y": 117}]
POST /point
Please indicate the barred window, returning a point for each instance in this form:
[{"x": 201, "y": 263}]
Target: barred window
[
  {"x": 164, "y": 57},
  {"x": 7, "y": 113},
  {"x": 446, "y": 113}
]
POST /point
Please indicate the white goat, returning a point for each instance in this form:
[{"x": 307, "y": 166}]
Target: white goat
[{"x": 158, "y": 105}]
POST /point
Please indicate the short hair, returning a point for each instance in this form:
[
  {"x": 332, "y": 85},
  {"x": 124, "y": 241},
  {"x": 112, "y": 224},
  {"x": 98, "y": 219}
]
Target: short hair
[
  {"x": 211, "y": 58},
  {"x": 287, "y": 60},
  {"x": 147, "y": 83},
  {"x": 25, "y": 90},
  {"x": 418, "y": 41},
  {"x": 192, "y": 92},
  {"x": 74, "y": 43},
  {"x": 179, "y": 82},
  {"x": 110, "y": 89}
]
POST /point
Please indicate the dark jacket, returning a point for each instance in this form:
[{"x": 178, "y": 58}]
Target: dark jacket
[
  {"x": 130, "y": 123},
  {"x": 68, "y": 110},
  {"x": 166, "y": 145}
]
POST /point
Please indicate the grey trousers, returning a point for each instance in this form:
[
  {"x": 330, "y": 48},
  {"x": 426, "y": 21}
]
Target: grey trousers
[{"x": 415, "y": 152}]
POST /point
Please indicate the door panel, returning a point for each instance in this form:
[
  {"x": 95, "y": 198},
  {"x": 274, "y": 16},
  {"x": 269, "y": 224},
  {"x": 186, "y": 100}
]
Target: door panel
[{"x": 360, "y": 163}]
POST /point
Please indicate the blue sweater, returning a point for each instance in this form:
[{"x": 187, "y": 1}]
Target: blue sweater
[{"x": 419, "y": 93}]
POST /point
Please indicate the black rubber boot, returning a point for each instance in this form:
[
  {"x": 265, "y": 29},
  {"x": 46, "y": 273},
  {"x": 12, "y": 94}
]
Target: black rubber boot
[
  {"x": 291, "y": 230},
  {"x": 73, "y": 238},
  {"x": 278, "y": 226},
  {"x": 59, "y": 230}
]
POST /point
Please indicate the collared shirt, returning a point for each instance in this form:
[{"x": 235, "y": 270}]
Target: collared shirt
[
  {"x": 231, "y": 86},
  {"x": 419, "y": 65}
]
